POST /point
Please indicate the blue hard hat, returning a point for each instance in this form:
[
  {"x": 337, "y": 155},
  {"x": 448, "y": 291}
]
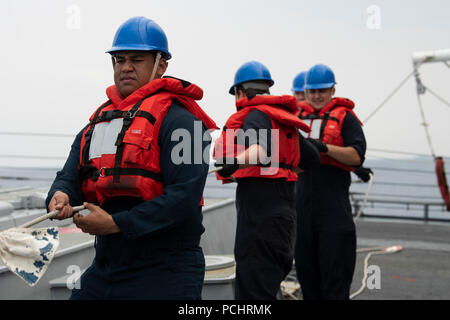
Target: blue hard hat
[
  {"x": 251, "y": 71},
  {"x": 140, "y": 34},
  {"x": 299, "y": 82},
  {"x": 319, "y": 76}
]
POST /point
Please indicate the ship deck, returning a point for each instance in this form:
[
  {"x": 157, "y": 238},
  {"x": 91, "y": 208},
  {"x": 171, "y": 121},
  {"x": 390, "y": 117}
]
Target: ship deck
[{"x": 421, "y": 271}]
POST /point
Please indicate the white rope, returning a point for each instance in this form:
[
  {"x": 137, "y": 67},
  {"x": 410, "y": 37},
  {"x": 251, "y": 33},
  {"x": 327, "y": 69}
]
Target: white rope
[
  {"x": 366, "y": 197},
  {"x": 291, "y": 295},
  {"x": 214, "y": 169},
  {"x": 375, "y": 251},
  {"x": 372, "y": 251},
  {"x": 369, "y": 249},
  {"x": 364, "y": 279},
  {"x": 47, "y": 216}
]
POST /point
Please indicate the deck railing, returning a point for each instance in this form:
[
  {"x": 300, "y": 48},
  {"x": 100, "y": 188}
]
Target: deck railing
[{"x": 426, "y": 207}]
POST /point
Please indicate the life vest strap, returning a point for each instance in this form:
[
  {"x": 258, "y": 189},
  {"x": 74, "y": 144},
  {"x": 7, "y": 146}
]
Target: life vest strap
[
  {"x": 316, "y": 116},
  {"x": 326, "y": 117},
  {"x": 115, "y": 114},
  {"x": 127, "y": 121},
  {"x": 130, "y": 172},
  {"x": 90, "y": 172}
]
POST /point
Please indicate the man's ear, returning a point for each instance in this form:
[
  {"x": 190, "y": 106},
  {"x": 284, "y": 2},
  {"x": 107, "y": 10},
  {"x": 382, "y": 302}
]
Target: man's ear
[
  {"x": 162, "y": 67},
  {"x": 333, "y": 91},
  {"x": 239, "y": 94}
]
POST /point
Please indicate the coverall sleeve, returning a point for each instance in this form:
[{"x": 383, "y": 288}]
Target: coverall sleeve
[
  {"x": 353, "y": 135},
  {"x": 183, "y": 183},
  {"x": 259, "y": 122},
  {"x": 67, "y": 179}
]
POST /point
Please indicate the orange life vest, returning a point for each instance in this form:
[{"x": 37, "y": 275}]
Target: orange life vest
[
  {"x": 132, "y": 168},
  {"x": 280, "y": 110},
  {"x": 326, "y": 125}
]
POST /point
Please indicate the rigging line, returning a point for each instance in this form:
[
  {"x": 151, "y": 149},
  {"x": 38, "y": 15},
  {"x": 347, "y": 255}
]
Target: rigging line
[
  {"x": 389, "y": 97},
  {"x": 438, "y": 97},
  {"x": 373, "y": 158},
  {"x": 25, "y": 178},
  {"x": 22, "y": 169},
  {"x": 398, "y": 152},
  {"x": 402, "y": 152},
  {"x": 54, "y": 135},
  {"x": 425, "y": 125},
  {"x": 31, "y": 157},
  {"x": 402, "y": 170}
]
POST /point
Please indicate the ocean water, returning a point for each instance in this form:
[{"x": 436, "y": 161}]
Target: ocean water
[{"x": 401, "y": 187}]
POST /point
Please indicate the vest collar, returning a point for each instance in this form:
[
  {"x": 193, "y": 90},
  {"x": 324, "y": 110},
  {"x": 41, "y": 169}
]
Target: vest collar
[
  {"x": 167, "y": 84},
  {"x": 286, "y": 102},
  {"x": 341, "y": 102}
]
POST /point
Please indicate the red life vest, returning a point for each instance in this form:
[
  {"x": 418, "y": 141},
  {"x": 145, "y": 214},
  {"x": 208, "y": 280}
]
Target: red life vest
[
  {"x": 280, "y": 110},
  {"x": 326, "y": 125},
  {"x": 133, "y": 168}
]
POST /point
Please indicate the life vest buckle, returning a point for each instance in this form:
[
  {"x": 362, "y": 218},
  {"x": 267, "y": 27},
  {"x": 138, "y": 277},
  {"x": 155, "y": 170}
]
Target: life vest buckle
[
  {"x": 130, "y": 114},
  {"x": 101, "y": 172}
]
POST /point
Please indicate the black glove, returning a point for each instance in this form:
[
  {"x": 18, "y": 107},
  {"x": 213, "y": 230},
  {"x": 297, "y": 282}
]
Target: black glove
[
  {"x": 229, "y": 166},
  {"x": 363, "y": 173},
  {"x": 320, "y": 146}
]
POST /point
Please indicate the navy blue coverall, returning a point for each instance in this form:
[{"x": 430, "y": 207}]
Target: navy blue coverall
[
  {"x": 266, "y": 221},
  {"x": 325, "y": 253},
  {"x": 157, "y": 254}
]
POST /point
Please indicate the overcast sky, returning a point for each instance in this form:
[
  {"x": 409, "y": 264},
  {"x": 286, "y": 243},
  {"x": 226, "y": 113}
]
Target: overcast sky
[{"x": 55, "y": 70}]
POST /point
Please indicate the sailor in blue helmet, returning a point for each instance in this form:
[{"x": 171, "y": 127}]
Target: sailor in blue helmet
[
  {"x": 144, "y": 205},
  {"x": 298, "y": 86},
  {"x": 326, "y": 239},
  {"x": 260, "y": 149}
]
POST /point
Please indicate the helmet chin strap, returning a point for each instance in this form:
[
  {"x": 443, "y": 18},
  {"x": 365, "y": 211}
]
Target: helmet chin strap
[{"x": 155, "y": 66}]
